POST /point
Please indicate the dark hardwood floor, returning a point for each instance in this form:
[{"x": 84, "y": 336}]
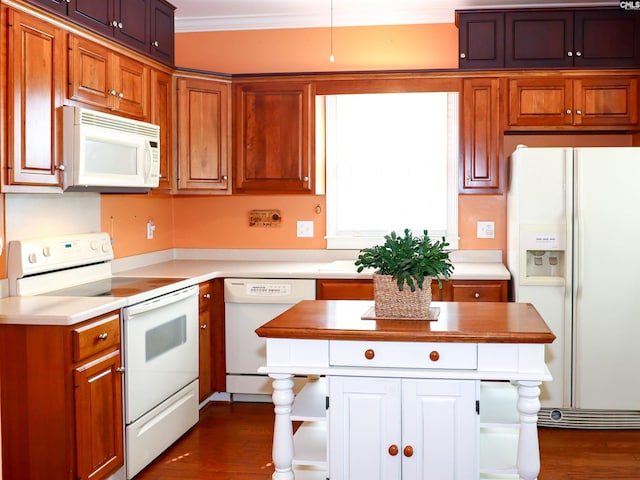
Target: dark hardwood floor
[{"x": 233, "y": 442}]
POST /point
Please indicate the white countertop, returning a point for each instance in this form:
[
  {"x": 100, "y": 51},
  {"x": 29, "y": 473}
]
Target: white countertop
[{"x": 43, "y": 310}]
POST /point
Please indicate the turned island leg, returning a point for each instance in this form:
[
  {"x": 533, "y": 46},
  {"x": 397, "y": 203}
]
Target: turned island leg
[
  {"x": 282, "y": 452},
  {"x": 528, "y": 445}
]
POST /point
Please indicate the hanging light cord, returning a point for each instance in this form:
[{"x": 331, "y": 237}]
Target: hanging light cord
[{"x": 331, "y": 57}]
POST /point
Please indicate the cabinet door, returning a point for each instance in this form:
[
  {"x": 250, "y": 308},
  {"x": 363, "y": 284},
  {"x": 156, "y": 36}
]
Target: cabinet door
[
  {"x": 98, "y": 415},
  {"x": 34, "y": 86},
  {"x": 440, "y": 429},
  {"x": 57, "y": 6},
  {"x": 95, "y": 15},
  {"x": 162, "y": 31},
  {"x": 90, "y": 72},
  {"x": 607, "y": 38},
  {"x": 204, "y": 352},
  {"x": 606, "y": 102},
  {"x": 162, "y": 115},
  {"x": 365, "y": 428},
  {"x": 274, "y": 138},
  {"x": 132, "y": 17},
  {"x": 131, "y": 86},
  {"x": 203, "y": 134},
  {"x": 481, "y": 39},
  {"x": 540, "y": 102},
  {"x": 481, "y": 137},
  {"x": 538, "y": 39}
]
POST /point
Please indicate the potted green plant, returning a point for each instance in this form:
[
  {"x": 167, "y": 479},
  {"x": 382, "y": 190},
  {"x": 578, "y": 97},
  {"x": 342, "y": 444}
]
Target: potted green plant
[{"x": 405, "y": 261}]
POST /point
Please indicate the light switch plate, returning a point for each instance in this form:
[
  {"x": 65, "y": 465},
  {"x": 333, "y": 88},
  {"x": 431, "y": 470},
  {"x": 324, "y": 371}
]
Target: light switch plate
[
  {"x": 486, "y": 229},
  {"x": 305, "y": 228}
]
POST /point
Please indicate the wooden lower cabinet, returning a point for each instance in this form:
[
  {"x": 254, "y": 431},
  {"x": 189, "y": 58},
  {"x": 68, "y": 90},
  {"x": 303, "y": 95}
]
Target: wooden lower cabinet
[
  {"x": 452, "y": 290},
  {"x": 204, "y": 344},
  {"x": 397, "y": 425},
  {"x": 61, "y": 397},
  {"x": 211, "y": 354}
]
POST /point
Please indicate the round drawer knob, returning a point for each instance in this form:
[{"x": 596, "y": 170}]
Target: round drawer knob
[
  {"x": 103, "y": 336},
  {"x": 393, "y": 450},
  {"x": 476, "y": 295},
  {"x": 434, "y": 356},
  {"x": 369, "y": 354},
  {"x": 203, "y": 326},
  {"x": 408, "y": 451}
]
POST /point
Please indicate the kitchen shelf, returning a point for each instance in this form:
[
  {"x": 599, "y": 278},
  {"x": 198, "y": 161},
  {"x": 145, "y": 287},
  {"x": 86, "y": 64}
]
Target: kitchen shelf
[
  {"x": 498, "y": 450},
  {"x": 498, "y": 404},
  {"x": 310, "y": 473},
  {"x": 310, "y": 444},
  {"x": 310, "y": 404}
]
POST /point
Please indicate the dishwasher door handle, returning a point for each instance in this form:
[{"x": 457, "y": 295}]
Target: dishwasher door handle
[{"x": 161, "y": 301}]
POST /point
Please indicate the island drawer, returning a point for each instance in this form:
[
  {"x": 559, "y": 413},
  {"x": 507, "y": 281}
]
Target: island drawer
[
  {"x": 95, "y": 336},
  {"x": 404, "y": 354}
]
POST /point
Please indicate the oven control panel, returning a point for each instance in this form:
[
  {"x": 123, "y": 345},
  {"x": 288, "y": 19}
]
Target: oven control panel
[{"x": 33, "y": 256}]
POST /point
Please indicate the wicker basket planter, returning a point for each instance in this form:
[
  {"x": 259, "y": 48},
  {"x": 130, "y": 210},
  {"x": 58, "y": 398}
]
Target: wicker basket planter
[{"x": 390, "y": 302}]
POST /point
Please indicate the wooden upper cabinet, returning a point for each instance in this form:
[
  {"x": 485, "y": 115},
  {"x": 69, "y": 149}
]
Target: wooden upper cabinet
[
  {"x": 561, "y": 103},
  {"x": 274, "y": 132},
  {"x": 161, "y": 34},
  {"x": 57, "y": 6},
  {"x": 34, "y": 91},
  {"x": 572, "y": 38},
  {"x": 481, "y": 39},
  {"x": 204, "y": 129},
  {"x": 131, "y": 25},
  {"x": 162, "y": 115},
  {"x": 99, "y": 77},
  {"x": 481, "y": 136}
]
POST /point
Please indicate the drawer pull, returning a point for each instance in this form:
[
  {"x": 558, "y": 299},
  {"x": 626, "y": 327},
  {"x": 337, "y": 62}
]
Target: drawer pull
[
  {"x": 476, "y": 295},
  {"x": 203, "y": 326},
  {"x": 434, "y": 356},
  {"x": 393, "y": 450},
  {"x": 408, "y": 451},
  {"x": 369, "y": 354},
  {"x": 206, "y": 296},
  {"x": 103, "y": 336}
]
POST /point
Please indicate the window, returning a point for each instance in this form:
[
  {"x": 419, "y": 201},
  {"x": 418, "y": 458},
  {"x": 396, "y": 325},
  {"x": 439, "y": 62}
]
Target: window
[{"x": 391, "y": 164}]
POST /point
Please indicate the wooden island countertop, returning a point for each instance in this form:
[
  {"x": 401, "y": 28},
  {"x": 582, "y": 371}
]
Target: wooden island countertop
[{"x": 461, "y": 322}]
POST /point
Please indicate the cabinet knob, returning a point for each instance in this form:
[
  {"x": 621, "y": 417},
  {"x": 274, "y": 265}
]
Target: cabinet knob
[
  {"x": 463, "y": 55},
  {"x": 120, "y": 369},
  {"x": 114, "y": 23},
  {"x": 224, "y": 177},
  {"x": 120, "y": 25},
  {"x": 369, "y": 354},
  {"x": 568, "y": 111},
  {"x": 579, "y": 112},
  {"x": 155, "y": 43},
  {"x": 578, "y": 53},
  {"x": 60, "y": 167},
  {"x": 113, "y": 92},
  {"x": 121, "y": 95},
  {"x": 305, "y": 179},
  {"x": 434, "y": 356},
  {"x": 408, "y": 451},
  {"x": 203, "y": 326},
  {"x": 393, "y": 450},
  {"x": 476, "y": 295},
  {"x": 206, "y": 296},
  {"x": 103, "y": 336},
  {"x": 569, "y": 54}
]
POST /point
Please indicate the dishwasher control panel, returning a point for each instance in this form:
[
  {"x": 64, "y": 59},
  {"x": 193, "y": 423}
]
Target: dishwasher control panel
[
  {"x": 256, "y": 290},
  {"x": 268, "y": 289}
]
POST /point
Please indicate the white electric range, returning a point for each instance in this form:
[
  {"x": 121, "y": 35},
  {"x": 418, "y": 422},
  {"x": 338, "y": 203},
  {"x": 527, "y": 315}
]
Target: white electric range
[{"x": 159, "y": 332}]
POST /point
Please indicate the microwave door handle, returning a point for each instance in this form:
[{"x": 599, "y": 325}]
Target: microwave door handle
[{"x": 147, "y": 161}]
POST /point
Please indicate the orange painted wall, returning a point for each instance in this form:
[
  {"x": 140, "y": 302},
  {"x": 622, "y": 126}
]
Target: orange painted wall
[
  {"x": 125, "y": 218},
  {"x": 308, "y": 49}
]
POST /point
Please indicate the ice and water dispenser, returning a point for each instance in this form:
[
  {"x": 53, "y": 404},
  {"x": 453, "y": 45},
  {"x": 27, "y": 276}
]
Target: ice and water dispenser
[{"x": 543, "y": 251}]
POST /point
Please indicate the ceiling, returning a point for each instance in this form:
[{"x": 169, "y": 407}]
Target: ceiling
[{"x": 214, "y": 15}]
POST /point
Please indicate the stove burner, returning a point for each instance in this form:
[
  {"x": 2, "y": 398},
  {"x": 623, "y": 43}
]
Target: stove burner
[{"x": 113, "y": 287}]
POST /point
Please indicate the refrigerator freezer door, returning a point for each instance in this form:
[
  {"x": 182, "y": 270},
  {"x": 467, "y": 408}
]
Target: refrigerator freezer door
[{"x": 606, "y": 261}]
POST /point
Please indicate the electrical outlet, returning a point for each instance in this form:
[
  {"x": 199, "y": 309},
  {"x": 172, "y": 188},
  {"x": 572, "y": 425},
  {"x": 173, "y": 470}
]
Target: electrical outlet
[
  {"x": 151, "y": 228},
  {"x": 305, "y": 229},
  {"x": 486, "y": 229}
]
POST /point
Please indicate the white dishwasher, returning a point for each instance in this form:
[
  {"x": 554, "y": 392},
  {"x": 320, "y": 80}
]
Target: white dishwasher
[{"x": 250, "y": 303}]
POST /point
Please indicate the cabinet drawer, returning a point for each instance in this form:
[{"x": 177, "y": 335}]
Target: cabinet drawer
[
  {"x": 404, "y": 354},
  {"x": 91, "y": 338},
  {"x": 479, "y": 292}
]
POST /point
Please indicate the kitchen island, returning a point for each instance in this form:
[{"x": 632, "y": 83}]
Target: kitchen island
[{"x": 456, "y": 398}]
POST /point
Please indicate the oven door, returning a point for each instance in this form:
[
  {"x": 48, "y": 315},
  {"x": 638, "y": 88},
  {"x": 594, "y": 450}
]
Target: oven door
[{"x": 161, "y": 349}]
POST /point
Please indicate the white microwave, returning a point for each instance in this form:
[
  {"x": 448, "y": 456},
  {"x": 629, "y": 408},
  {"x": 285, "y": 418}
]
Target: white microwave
[{"x": 108, "y": 153}]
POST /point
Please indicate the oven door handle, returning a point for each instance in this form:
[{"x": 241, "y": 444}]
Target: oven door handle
[{"x": 161, "y": 301}]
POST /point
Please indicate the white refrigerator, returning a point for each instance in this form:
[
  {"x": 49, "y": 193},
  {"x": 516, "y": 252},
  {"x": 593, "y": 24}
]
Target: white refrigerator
[{"x": 573, "y": 238}]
